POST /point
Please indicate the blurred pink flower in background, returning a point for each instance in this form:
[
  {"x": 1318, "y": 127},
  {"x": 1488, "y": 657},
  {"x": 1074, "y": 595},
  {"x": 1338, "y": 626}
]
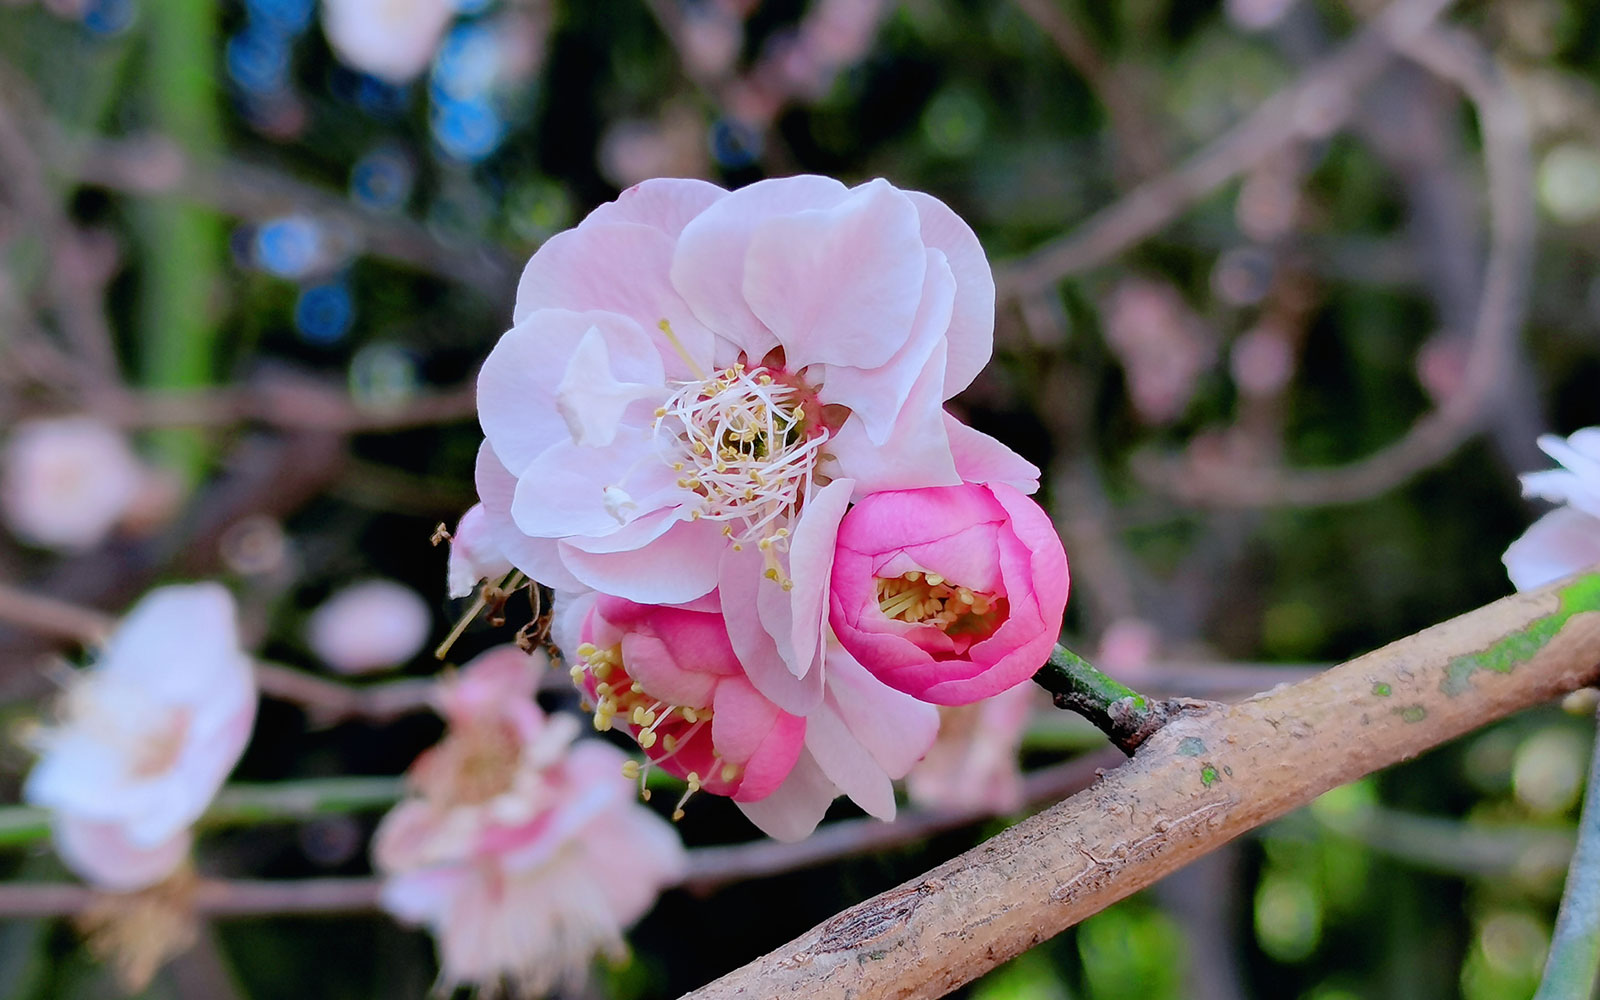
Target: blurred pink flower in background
[
  {"x": 473, "y": 554},
  {"x": 1566, "y": 539},
  {"x": 1163, "y": 346},
  {"x": 975, "y": 763},
  {"x": 66, "y": 482},
  {"x": 393, "y": 40},
  {"x": 147, "y": 736},
  {"x": 369, "y": 626},
  {"x": 522, "y": 852},
  {"x": 951, "y": 594}
]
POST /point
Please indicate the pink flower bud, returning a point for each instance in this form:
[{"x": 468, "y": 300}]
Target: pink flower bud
[
  {"x": 950, "y": 594},
  {"x": 669, "y": 677}
]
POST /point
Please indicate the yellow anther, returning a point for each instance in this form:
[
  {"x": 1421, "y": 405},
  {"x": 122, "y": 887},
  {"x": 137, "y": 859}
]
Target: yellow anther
[
  {"x": 587, "y": 649},
  {"x": 730, "y": 771},
  {"x": 647, "y": 739},
  {"x": 630, "y": 770}
]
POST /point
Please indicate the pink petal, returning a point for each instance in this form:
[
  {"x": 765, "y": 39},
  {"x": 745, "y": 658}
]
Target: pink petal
[
  {"x": 592, "y": 400},
  {"x": 799, "y": 628},
  {"x": 877, "y": 395},
  {"x": 917, "y": 452},
  {"x": 670, "y": 570},
  {"x": 895, "y": 728},
  {"x": 537, "y": 557},
  {"x": 971, "y": 334},
  {"x": 839, "y": 286},
  {"x": 888, "y": 521},
  {"x": 708, "y": 268},
  {"x": 102, "y": 855},
  {"x": 518, "y": 382},
  {"x": 848, "y": 763},
  {"x": 749, "y": 730},
  {"x": 797, "y": 806},
  {"x": 740, "y": 584},
  {"x": 620, "y": 268},
  {"x": 1557, "y": 545},
  {"x": 664, "y": 203},
  {"x": 574, "y": 490},
  {"x": 981, "y": 459}
]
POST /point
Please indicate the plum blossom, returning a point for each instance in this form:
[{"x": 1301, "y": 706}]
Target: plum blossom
[
  {"x": 66, "y": 482},
  {"x": 146, "y": 738},
  {"x": 473, "y": 555},
  {"x": 670, "y": 678},
  {"x": 368, "y": 626},
  {"x": 521, "y": 851},
  {"x": 975, "y": 763},
  {"x": 393, "y": 40},
  {"x": 695, "y": 372},
  {"x": 1566, "y": 539},
  {"x": 950, "y": 594}
]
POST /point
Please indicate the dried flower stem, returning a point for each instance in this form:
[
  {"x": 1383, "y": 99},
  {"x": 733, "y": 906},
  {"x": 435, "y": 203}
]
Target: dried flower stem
[{"x": 1205, "y": 778}]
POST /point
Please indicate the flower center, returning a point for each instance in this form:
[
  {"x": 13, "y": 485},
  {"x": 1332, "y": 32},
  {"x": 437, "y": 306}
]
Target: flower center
[
  {"x": 158, "y": 751},
  {"x": 676, "y": 737},
  {"x": 748, "y": 442},
  {"x": 930, "y": 599},
  {"x": 479, "y": 763}
]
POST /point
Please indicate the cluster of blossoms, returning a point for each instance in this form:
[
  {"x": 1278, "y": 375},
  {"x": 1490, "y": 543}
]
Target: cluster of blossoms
[
  {"x": 716, "y": 430},
  {"x": 1566, "y": 539}
]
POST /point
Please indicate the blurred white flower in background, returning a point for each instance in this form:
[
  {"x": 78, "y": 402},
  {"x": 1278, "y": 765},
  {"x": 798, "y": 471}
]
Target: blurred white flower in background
[
  {"x": 393, "y": 40},
  {"x": 146, "y": 737},
  {"x": 1567, "y": 539},
  {"x": 369, "y": 626},
  {"x": 975, "y": 763},
  {"x": 65, "y": 482},
  {"x": 524, "y": 853}
]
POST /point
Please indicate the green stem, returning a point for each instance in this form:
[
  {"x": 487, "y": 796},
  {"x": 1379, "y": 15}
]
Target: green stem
[
  {"x": 1574, "y": 963},
  {"x": 243, "y": 805},
  {"x": 1123, "y": 714}
]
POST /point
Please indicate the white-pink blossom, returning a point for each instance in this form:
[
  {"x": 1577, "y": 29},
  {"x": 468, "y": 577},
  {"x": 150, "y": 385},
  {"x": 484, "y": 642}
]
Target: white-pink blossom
[
  {"x": 976, "y": 761},
  {"x": 146, "y": 737},
  {"x": 66, "y": 482},
  {"x": 698, "y": 382},
  {"x": 1566, "y": 539},
  {"x": 368, "y": 626},
  {"x": 393, "y": 40},
  {"x": 523, "y": 853}
]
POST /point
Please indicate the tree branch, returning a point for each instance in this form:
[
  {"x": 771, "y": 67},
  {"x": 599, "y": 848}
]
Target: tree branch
[
  {"x": 1310, "y": 106},
  {"x": 1127, "y": 717},
  {"x": 1204, "y": 779}
]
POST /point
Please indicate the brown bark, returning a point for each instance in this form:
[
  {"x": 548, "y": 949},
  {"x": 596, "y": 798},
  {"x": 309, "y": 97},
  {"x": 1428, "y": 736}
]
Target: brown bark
[{"x": 1209, "y": 776}]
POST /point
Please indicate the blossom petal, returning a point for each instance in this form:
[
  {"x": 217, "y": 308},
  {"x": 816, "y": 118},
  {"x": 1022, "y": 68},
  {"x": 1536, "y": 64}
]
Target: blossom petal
[
  {"x": 917, "y": 452},
  {"x": 591, "y": 399},
  {"x": 848, "y": 763},
  {"x": 981, "y": 459},
  {"x": 797, "y": 806},
  {"x": 708, "y": 268},
  {"x": 1557, "y": 545},
  {"x": 519, "y": 381},
  {"x": 672, "y": 569},
  {"x": 752, "y": 732},
  {"x": 576, "y": 490},
  {"x": 839, "y": 286},
  {"x": 895, "y": 728},
  {"x": 971, "y": 334},
  {"x": 101, "y": 855},
  {"x": 877, "y": 396},
  {"x": 740, "y": 585},
  {"x": 539, "y": 558},
  {"x": 620, "y": 268},
  {"x": 664, "y": 203}
]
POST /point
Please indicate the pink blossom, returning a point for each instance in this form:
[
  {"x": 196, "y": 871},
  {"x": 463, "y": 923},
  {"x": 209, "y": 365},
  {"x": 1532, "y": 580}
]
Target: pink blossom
[
  {"x": 690, "y": 366},
  {"x": 368, "y": 626},
  {"x": 393, "y": 40},
  {"x": 1162, "y": 344},
  {"x": 669, "y": 677},
  {"x": 522, "y": 852},
  {"x": 65, "y": 483},
  {"x": 1567, "y": 539},
  {"x": 974, "y": 764},
  {"x": 146, "y": 738},
  {"x": 473, "y": 555},
  {"x": 950, "y": 594}
]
